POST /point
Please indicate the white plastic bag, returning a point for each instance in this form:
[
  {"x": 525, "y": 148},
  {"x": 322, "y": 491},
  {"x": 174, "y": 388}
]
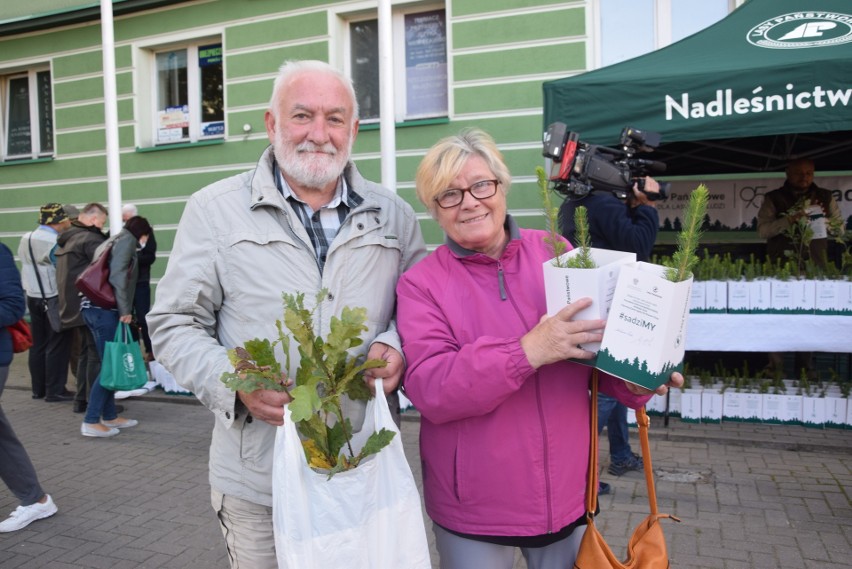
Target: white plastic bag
[{"x": 366, "y": 518}]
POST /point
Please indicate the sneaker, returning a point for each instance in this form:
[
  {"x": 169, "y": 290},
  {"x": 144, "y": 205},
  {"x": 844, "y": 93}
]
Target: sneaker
[
  {"x": 632, "y": 463},
  {"x": 603, "y": 488},
  {"x": 25, "y": 515},
  {"x": 120, "y": 423},
  {"x": 97, "y": 430}
]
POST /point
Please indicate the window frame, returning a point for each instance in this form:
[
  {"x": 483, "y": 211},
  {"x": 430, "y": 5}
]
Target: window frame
[
  {"x": 31, "y": 73},
  {"x": 147, "y": 78},
  {"x": 398, "y": 14},
  {"x": 662, "y": 33}
]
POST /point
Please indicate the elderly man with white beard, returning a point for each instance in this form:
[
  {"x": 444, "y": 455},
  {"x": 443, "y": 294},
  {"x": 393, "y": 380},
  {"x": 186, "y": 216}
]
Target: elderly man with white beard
[{"x": 303, "y": 220}]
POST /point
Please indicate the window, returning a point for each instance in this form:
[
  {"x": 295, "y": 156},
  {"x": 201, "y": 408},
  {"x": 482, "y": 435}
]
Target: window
[
  {"x": 630, "y": 28},
  {"x": 27, "y": 120},
  {"x": 188, "y": 94},
  {"x": 420, "y": 57}
]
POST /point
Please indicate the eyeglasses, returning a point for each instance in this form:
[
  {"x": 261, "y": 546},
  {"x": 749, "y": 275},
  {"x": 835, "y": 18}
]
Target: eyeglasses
[{"x": 480, "y": 190}]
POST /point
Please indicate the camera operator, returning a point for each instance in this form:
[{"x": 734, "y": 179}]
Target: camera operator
[
  {"x": 630, "y": 225},
  {"x": 622, "y": 225}
]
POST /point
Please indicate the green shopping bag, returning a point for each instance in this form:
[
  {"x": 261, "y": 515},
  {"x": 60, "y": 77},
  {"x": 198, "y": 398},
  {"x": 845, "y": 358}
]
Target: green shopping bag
[{"x": 123, "y": 368}]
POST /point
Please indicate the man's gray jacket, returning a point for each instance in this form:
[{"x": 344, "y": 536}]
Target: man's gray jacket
[{"x": 239, "y": 246}]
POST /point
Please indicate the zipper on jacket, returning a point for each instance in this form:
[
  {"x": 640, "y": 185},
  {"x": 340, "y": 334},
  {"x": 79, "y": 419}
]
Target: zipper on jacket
[
  {"x": 546, "y": 456},
  {"x": 500, "y": 282},
  {"x": 548, "y": 491}
]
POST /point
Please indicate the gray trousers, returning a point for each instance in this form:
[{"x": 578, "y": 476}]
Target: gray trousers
[
  {"x": 462, "y": 553},
  {"x": 16, "y": 469}
]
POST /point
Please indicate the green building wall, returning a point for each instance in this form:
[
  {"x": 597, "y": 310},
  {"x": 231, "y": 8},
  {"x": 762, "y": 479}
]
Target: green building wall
[{"x": 499, "y": 55}]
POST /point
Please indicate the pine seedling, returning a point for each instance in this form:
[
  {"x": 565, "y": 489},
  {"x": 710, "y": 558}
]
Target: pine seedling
[
  {"x": 685, "y": 259},
  {"x": 583, "y": 258},
  {"x": 551, "y": 216}
]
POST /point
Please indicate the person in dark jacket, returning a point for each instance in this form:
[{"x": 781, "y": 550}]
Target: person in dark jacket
[
  {"x": 16, "y": 469},
  {"x": 101, "y": 418},
  {"x": 621, "y": 225},
  {"x": 76, "y": 249},
  {"x": 142, "y": 299}
]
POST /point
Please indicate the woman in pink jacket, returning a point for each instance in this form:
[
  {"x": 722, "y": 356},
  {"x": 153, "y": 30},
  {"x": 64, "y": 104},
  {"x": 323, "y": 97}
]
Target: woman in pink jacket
[{"x": 504, "y": 436}]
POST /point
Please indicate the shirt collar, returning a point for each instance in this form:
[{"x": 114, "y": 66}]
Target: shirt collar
[{"x": 341, "y": 193}]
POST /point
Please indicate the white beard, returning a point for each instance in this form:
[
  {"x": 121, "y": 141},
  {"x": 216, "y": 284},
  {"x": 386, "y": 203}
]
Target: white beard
[{"x": 310, "y": 165}]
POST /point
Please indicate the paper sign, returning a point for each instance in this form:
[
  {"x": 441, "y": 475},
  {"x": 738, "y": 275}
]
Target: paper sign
[
  {"x": 562, "y": 286},
  {"x": 644, "y": 339}
]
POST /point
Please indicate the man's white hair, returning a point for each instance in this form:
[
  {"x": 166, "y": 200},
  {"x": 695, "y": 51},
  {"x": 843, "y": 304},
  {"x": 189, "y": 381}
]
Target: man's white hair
[
  {"x": 292, "y": 68},
  {"x": 130, "y": 209}
]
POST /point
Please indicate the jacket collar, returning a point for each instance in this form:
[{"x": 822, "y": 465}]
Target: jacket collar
[
  {"x": 514, "y": 240},
  {"x": 265, "y": 190}
]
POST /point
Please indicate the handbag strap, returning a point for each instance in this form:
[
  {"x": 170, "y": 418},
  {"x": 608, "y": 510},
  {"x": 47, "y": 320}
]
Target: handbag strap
[
  {"x": 35, "y": 266},
  {"x": 592, "y": 478}
]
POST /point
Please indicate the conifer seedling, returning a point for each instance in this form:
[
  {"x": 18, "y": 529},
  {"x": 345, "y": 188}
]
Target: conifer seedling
[{"x": 685, "y": 258}]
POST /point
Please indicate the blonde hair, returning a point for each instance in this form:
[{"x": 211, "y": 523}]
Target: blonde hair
[{"x": 445, "y": 160}]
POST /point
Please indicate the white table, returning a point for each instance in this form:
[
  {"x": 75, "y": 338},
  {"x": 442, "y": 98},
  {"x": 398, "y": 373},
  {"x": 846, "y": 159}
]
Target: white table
[{"x": 769, "y": 333}]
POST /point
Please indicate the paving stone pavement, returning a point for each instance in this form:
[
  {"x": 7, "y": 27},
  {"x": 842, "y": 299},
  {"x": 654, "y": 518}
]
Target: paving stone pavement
[{"x": 749, "y": 496}]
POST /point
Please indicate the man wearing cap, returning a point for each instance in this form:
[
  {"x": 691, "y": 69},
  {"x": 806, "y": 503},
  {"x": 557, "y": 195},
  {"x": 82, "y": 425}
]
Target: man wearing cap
[{"x": 48, "y": 358}]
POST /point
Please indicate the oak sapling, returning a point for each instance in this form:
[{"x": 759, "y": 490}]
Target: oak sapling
[{"x": 326, "y": 372}]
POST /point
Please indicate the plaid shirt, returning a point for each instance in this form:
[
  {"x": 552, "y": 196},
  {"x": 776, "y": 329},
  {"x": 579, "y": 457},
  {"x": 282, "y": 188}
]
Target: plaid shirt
[{"x": 322, "y": 226}]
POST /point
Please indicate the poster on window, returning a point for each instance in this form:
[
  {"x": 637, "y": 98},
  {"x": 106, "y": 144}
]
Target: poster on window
[
  {"x": 426, "y": 64},
  {"x": 20, "y": 133},
  {"x": 734, "y": 204},
  {"x": 171, "y": 123}
]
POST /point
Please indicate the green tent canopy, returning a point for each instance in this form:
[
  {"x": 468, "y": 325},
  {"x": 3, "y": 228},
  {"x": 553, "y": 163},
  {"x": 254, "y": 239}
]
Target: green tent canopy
[{"x": 770, "y": 82}]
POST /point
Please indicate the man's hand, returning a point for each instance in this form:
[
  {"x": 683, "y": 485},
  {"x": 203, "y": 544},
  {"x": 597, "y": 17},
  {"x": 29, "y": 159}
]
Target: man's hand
[
  {"x": 266, "y": 405},
  {"x": 640, "y": 197},
  {"x": 391, "y": 374},
  {"x": 676, "y": 380}
]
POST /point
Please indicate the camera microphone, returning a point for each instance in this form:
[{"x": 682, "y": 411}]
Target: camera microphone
[{"x": 652, "y": 166}]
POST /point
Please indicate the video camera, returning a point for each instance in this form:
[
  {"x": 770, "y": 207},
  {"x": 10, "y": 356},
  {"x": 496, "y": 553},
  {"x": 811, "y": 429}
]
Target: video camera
[{"x": 578, "y": 167}]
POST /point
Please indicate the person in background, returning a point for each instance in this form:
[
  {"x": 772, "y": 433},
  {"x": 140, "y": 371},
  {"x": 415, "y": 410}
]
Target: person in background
[
  {"x": 622, "y": 225},
  {"x": 76, "y": 249},
  {"x": 101, "y": 418},
  {"x": 798, "y": 198},
  {"x": 305, "y": 220},
  {"x": 74, "y": 344},
  {"x": 147, "y": 255},
  {"x": 16, "y": 468},
  {"x": 49, "y": 355},
  {"x": 504, "y": 432}
]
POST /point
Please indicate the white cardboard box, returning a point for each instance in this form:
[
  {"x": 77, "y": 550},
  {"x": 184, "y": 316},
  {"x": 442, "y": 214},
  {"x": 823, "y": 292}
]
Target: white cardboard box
[
  {"x": 782, "y": 296},
  {"x": 697, "y": 296},
  {"x": 835, "y": 411},
  {"x": 645, "y": 334},
  {"x": 738, "y": 296},
  {"x": 716, "y": 297},
  {"x": 813, "y": 411},
  {"x": 563, "y": 286},
  {"x": 760, "y": 296},
  {"x": 828, "y": 297},
  {"x": 741, "y": 406},
  {"x": 711, "y": 406}
]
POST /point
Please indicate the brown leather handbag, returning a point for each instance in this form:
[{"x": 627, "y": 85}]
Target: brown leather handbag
[{"x": 647, "y": 546}]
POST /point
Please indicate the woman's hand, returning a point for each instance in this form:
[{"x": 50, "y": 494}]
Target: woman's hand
[
  {"x": 676, "y": 380},
  {"x": 556, "y": 337},
  {"x": 126, "y": 318}
]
